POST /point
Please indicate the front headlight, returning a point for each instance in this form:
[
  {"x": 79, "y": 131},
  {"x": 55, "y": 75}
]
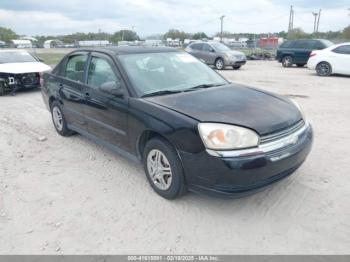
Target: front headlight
[
  {"x": 299, "y": 108},
  {"x": 223, "y": 136}
]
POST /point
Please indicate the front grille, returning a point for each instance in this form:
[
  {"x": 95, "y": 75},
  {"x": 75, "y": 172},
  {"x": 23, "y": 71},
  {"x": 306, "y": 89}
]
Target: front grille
[{"x": 283, "y": 133}]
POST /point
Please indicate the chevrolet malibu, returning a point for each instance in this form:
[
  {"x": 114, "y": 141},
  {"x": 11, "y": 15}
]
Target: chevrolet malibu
[{"x": 189, "y": 127}]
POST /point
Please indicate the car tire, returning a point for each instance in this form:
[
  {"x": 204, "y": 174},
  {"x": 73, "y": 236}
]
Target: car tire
[
  {"x": 287, "y": 61},
  {"x": 163, "y": 169},
  {"x": 324, "y": 69},
  {"x": 2, "y": 91},
  {"x": 59, "y": 121},
  {"x": 300, "y": 65},
  {"x": 236, "y": 67},
  {"x": 219, "y": 64}
]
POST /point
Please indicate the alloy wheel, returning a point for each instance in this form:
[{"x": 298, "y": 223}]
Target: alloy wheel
[
  {"x": 323, "y": 69},
  {"x": 159, "y": 169},
  {"x": 57, "y": 118},
  {"x": 219, "y": 64}
]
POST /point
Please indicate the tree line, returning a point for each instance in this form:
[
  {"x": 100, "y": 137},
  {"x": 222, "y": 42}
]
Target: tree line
[{"x": 6, "y": 35}]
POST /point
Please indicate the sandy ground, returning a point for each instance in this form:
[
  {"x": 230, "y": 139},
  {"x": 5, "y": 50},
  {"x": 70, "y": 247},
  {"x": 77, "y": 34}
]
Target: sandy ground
[{"x": 70, "y": 196}]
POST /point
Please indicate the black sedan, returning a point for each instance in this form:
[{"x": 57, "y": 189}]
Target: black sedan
[{"x": 191, "y": 128}]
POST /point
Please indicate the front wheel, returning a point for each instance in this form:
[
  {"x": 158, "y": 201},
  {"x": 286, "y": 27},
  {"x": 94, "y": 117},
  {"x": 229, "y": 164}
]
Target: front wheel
[
  {"x": 287, "y": 61},
  {"x": 59, "y": 121},
  {"x": 324, "y": 69},
  {"x": 236, "y": 67},
  {"x": 219, "y": 64},
  {"x": 2, "y": 91},
  {"x": 163, "y": 169}
]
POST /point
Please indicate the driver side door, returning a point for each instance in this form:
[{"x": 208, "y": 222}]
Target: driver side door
[{"x": 105, "y": 113}]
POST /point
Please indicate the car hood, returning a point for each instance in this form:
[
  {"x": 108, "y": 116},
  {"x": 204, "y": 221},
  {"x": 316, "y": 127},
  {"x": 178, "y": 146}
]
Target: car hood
[
  {"x": 21, "y": 68},
  {"x": 234, "y": 53},
  {"x": 234, "y": 104}
]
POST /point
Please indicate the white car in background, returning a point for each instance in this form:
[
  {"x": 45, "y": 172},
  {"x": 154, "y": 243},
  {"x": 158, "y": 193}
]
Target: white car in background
[
  {"x": 332, "y": 60},
  {"x": 19, "y": 70}
]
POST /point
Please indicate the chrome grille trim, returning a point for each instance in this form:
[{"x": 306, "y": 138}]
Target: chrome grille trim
[{"x": 281, "y": 134}]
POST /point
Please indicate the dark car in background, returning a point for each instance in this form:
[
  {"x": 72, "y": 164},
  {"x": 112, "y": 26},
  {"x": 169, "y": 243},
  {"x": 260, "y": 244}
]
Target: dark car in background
[
  {"x": 217, "y": 54},
  {"x": 191, "y": 128},
  {"x": 297, "y": 52}
]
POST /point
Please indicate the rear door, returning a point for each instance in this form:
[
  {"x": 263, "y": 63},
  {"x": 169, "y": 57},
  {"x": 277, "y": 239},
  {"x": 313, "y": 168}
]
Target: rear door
[
  {"x": 302, "y": 50},
  {"x": 71, "y": 87},
  {"x": 196, "y": 50},
  {"x": 106, "y": 114},
  {"x": 208, "y": 54},
  {"x": 340, "y": 59}
]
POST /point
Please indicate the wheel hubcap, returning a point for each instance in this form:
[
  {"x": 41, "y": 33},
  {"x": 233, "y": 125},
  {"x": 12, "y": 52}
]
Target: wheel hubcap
[
  {"x": 287, "y": 61},
  {"x": 159, "y": 169},
  {"x": 219, "y": 64},
  {"x": 57, "y": 118},
  {"x": 323, "y": 69}
]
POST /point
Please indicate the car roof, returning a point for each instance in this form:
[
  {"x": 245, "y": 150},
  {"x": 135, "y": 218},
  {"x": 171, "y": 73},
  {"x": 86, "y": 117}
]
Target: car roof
[
  {"x": 124, "y": 50},
  {"x": 13, "y": 50}
]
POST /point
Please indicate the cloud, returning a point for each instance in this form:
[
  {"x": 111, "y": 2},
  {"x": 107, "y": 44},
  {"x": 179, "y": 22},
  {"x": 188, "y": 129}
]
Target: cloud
[{"x": 34, "y": 17}]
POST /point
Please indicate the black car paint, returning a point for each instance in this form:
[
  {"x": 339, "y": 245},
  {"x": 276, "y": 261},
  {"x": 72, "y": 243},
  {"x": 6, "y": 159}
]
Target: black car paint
[{"x": 125, "y": 124}]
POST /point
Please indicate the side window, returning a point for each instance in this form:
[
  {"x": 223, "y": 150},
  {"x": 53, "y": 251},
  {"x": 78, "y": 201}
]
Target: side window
[
  {"x": 207, "y": 48},
  {"x": 300, "y": 44},
  {"x": 100, "y": 72},
  {"x": 75, "y": 68},
  {"x": 344, "y": 49},
  {"x": 319, "y": 45},
  {"x": 196, "y": 46},
  {"x": 286, "y": 44}
]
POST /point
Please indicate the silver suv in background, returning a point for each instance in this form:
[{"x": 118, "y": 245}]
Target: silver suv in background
[{"x": 217, "y": 54}]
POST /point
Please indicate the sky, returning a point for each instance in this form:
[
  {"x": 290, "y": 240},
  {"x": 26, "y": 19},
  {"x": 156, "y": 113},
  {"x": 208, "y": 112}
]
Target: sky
[{"x": 147, "y": 17}]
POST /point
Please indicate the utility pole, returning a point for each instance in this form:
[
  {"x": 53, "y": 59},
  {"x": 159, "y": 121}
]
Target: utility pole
[
  {"x": 222, "y": 26},
  {"x": 318, "y": 20},
  {"x": 315, "y": 20},
  {"x": 291, "y": 20}
]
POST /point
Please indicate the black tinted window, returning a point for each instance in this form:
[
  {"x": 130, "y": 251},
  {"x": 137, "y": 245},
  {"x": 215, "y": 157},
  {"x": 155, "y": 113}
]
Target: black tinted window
[
  {"x": 100, "y": 72},
  {"x": 286, "y": 44},
  {"x": 197, "y": 46},
  {"x": 345, "y": 49},
  {"x": 75, "y": 67},
  {"x": 304, "y": 44}
]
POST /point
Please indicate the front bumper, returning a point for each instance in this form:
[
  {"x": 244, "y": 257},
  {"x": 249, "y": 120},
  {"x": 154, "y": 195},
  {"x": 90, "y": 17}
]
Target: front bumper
[
  {"x": 234, "y": 62},
  {"x": 244, "y": 175}
]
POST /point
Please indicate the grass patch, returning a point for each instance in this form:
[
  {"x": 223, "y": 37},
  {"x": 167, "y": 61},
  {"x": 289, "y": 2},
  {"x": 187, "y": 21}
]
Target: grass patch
[{"x": 51, "y": 58}]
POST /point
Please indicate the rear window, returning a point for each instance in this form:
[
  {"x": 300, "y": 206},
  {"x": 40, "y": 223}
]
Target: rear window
[
  {"x": 344, "y": 49},
  {"x": 286, "y": 44}
]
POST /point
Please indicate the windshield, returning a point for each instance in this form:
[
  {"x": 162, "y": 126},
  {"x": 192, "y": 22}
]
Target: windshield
[
  {"x": 220, "y": 47},
  {"x": 15, "y": 57},
  {"x": 172, "y": 71},
  {"x": 327, "y": 43}
]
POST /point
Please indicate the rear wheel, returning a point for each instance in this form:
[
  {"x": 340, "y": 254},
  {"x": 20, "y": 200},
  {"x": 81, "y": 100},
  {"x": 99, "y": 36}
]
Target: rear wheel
[
  {"x": 236, "y": 67},
  {"x": 163, "y": 169},
  {"x": 2, "y": 91},
  {"x": 287, "y": 61},
  {"x": 219, "y": 64},
  {"x": 324, "y": 69},
  {"x": 59, "y": 121}
]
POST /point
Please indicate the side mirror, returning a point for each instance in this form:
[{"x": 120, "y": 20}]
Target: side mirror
[
  {"x": 112, "y": 88},
  {"x": 212, "y": 50}
]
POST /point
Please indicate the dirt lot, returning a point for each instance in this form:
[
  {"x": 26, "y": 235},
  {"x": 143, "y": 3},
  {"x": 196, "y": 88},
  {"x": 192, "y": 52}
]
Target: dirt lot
[{"x": 68, "y": 195}]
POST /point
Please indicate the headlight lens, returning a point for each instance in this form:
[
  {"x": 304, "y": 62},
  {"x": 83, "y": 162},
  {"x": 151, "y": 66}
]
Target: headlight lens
[
  {"x": 299, "y": 108},
  {"x": 222, "y": 136}
]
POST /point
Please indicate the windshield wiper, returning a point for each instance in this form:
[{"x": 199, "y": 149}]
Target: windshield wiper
[
  {"x": 205, "y": 86},
  {"x": 162, "y": 92}
]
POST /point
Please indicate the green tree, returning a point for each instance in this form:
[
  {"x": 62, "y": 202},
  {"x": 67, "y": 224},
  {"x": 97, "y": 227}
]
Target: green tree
[
  {"x": 199, "y": 35},
  {"x": 175, "y": 33},
  {"x": 346, "y": 33},
  {"x": 6, "y": 34},
  {"x": 124, "y": 35}
]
